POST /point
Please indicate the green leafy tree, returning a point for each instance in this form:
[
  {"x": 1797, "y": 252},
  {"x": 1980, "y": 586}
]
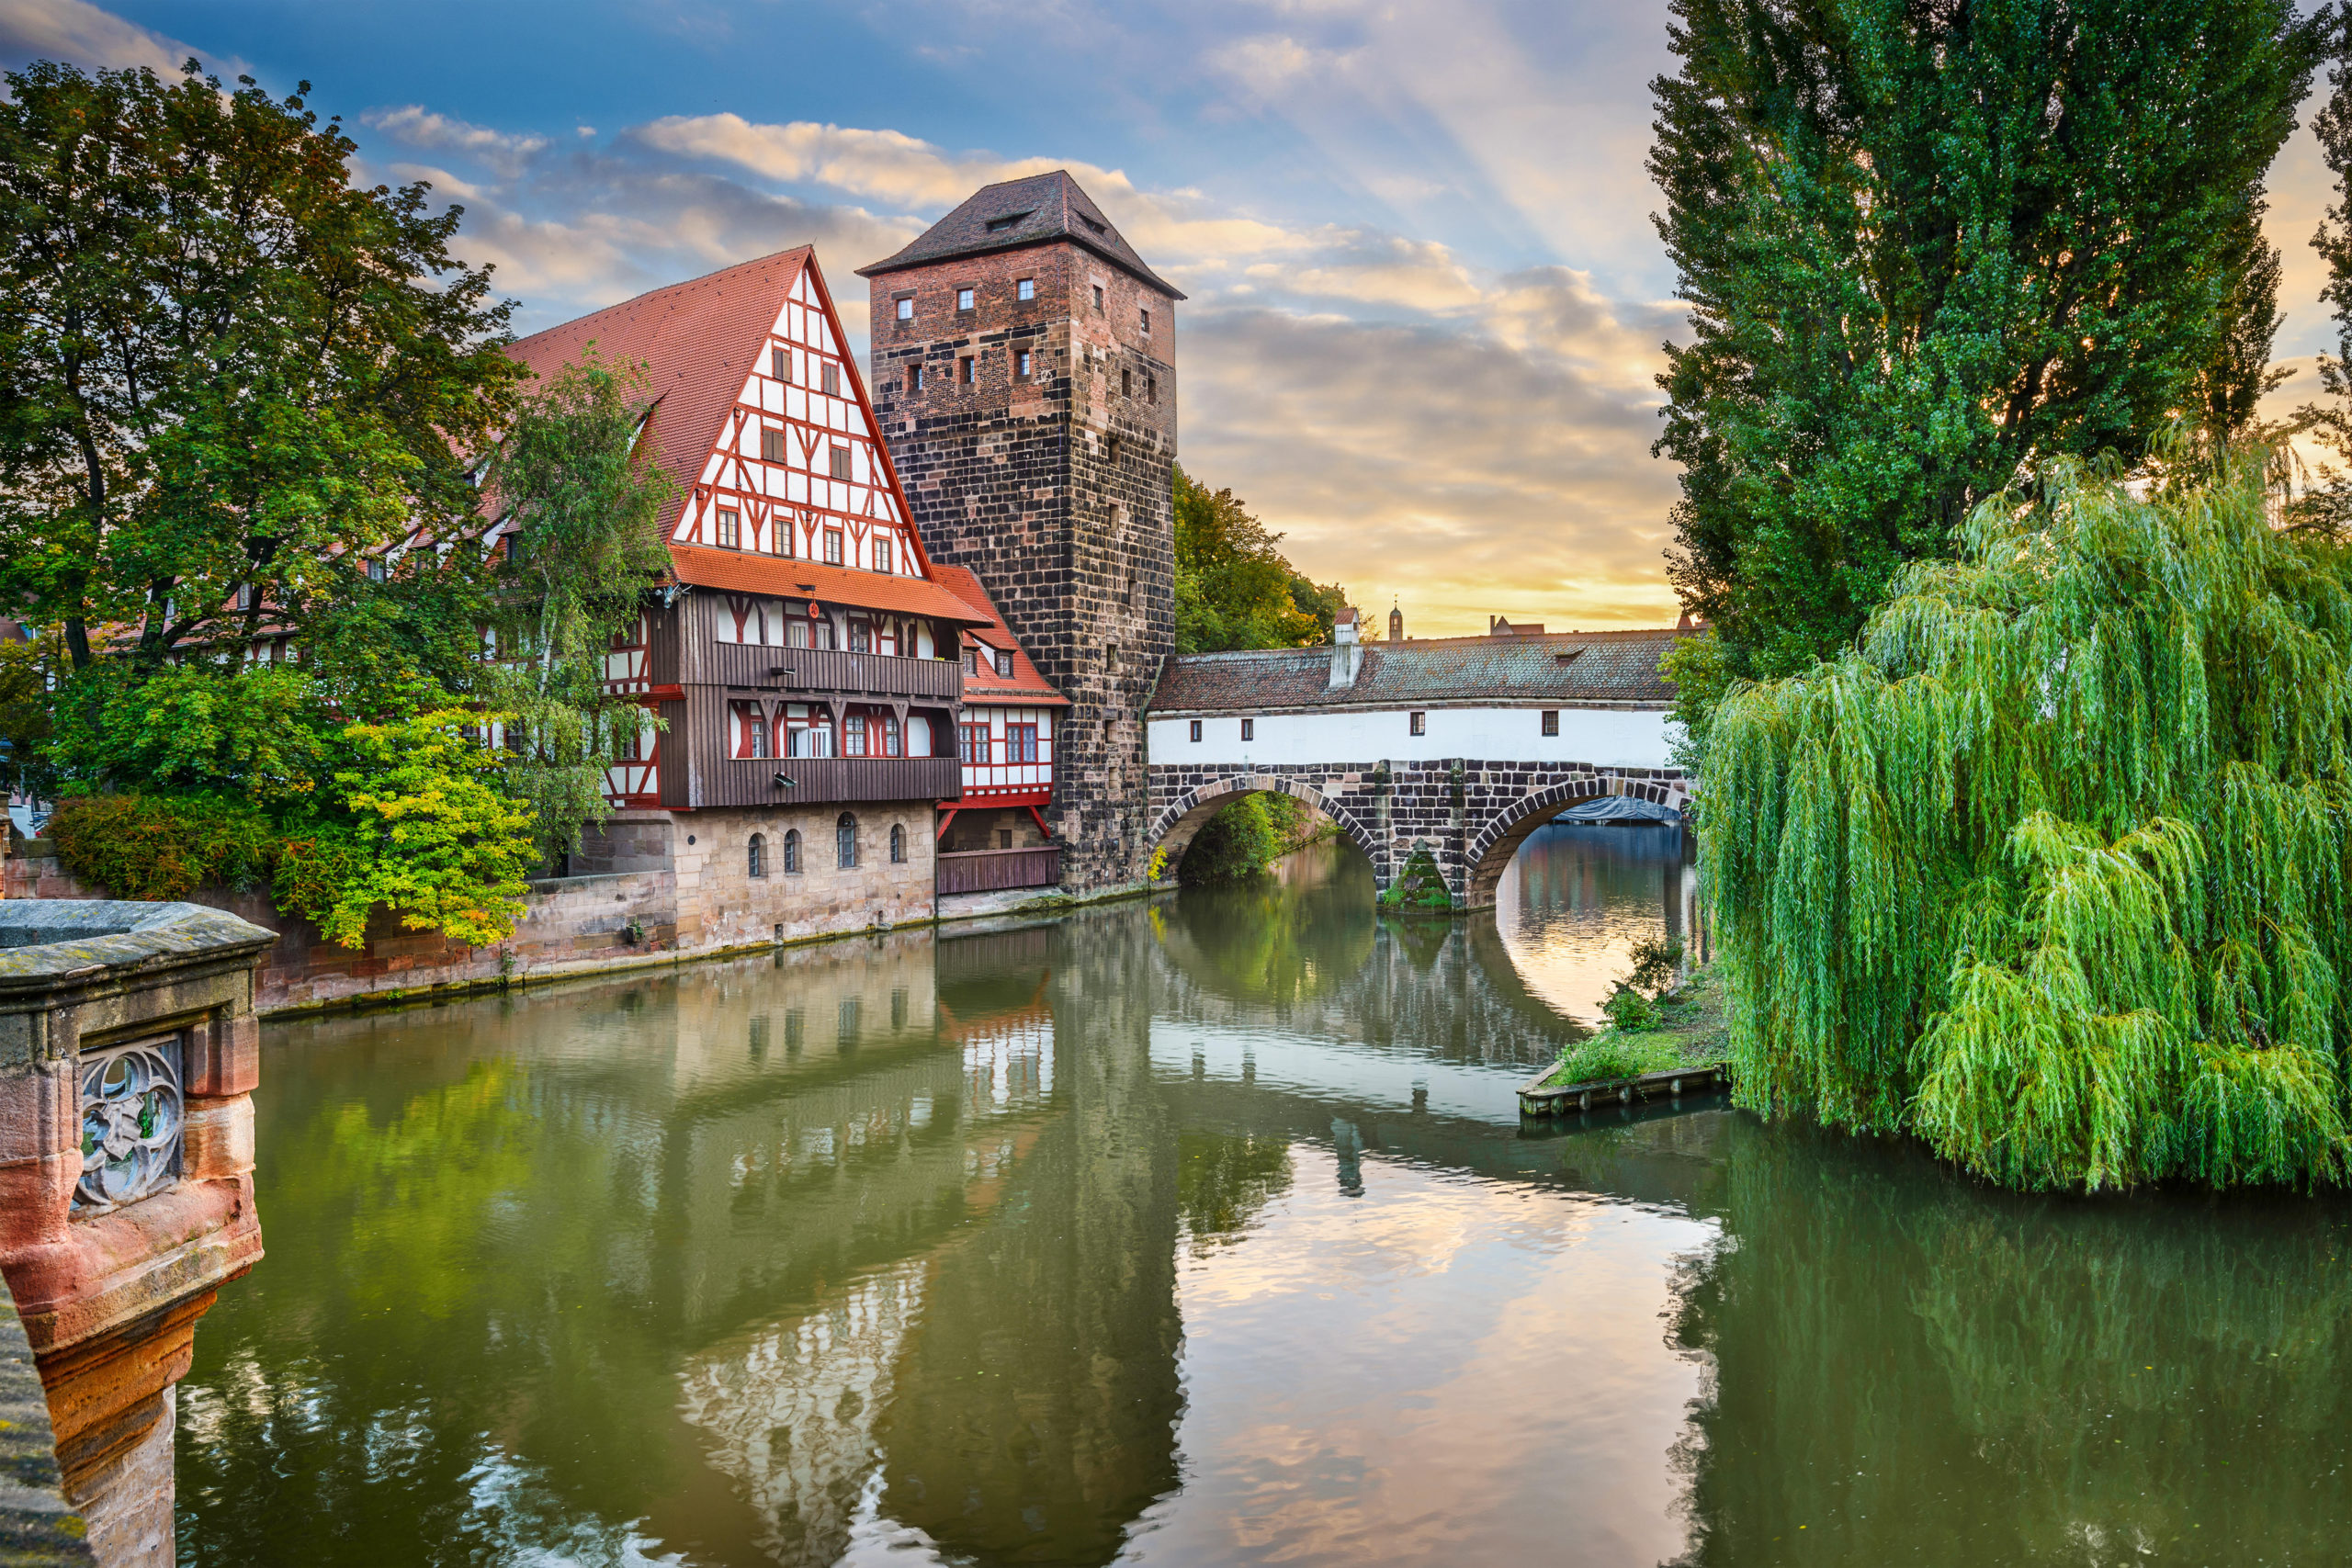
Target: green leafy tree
[
  {"x": 1234, "y": 587},
  {"x": 226, "y": 372},
  {"x": 2049, "y": 869},
  {"x": 1926, "y": 241},
  {"x": 583, "y": 513}
]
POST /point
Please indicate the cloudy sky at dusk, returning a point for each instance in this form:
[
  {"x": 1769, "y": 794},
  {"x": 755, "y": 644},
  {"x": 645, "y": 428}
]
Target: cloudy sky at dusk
[{"x": 1426, "y": 296}]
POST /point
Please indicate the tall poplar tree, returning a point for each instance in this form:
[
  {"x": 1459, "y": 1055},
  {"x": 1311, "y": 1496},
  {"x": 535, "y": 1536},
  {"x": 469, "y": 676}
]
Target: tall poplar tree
[{"x": 1927, "y": 242}]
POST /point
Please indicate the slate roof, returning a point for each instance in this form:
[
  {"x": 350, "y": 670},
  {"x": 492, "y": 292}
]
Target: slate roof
[
  {"x": 1049, "y": 207},
  {"x": 699, "y": 340},
  {"x": 786, "y": 576},
  {"x": 1563, "y": 667},
  {"x": 1025, "y": 686}
]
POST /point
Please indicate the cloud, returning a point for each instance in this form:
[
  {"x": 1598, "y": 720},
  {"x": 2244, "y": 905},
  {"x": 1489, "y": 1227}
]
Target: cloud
[
  {"x": 78, "y": 33},
  {"x": 415, "y": 126}
]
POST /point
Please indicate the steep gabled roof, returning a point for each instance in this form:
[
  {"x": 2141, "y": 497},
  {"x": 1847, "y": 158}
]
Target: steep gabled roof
[
  {"x": 1562, "y": 666},
  {"x": 699, "y": 340},
  {"x": 1015, "y": 213},
  {"x": 1025, "y": 686}
]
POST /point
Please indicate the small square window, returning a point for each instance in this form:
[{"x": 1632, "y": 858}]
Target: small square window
[
  {"x": 1248, "y": 729},
  {"x": 1420, "y": 723},
  {"x": 1143, "y": 316},
  {"x": 1026, "y": 288},
  {"x": 1551, "y": 721},
  {"x": 771, "y": 444},
  {"x": 963, "y": 298},
  {"x": 1020, "y": 365},
  {"x": 780, "y": 364},
  {"x": 730, "y": 528},
  {"x": 833, "y": 380},
  {"x": 833, "y": 550},
  {"x": 841, "y": 462},
  {"x": 906, "y": 307},
  {"x": 914, "y": 378},
  {"x": 964, "y": 369},
  {"x": 1098, "y": 298},
  {"x": 1196, "y": 729}
]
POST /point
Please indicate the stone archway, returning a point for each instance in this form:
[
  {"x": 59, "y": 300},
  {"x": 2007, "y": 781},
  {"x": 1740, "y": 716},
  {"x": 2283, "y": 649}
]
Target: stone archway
[
  {"x": 1184, "y": 817},
  {"x": 1489, "y": 853}
]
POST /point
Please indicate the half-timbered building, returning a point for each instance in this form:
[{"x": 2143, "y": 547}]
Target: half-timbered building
[
  {"x": 996, "y": 835},
  {"x": 801, "y": 654}
]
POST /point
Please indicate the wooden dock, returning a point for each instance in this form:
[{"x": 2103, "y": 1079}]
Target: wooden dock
[{"x": 1535, "y": 1100}]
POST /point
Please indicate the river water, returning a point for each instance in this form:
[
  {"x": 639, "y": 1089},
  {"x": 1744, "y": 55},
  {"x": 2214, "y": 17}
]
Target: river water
[{"x": 1206, "y": 1231}]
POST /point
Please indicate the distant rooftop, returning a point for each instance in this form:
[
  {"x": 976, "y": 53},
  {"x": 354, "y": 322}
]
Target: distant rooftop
[
  {"x": 1519, "y": 667},
  {"x": 1015, "y": 213}
]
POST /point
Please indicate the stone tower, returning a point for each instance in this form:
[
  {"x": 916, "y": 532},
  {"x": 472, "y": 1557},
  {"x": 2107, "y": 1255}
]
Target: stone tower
[{"x": 1025, "y": 377}]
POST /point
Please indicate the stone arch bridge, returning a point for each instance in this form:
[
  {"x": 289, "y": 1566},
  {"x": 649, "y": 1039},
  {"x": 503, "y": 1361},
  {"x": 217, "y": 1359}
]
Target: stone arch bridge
[{"x": 1459, "y": 746}]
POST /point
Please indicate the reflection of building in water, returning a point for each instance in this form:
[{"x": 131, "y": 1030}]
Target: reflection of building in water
[
  {"x": 790, "y": 1410},
  {"x": 1038, "y": 1396}
]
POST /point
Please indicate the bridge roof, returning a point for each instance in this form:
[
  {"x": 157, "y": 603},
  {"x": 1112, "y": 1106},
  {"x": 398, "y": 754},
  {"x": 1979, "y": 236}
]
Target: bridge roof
[{"x": 1563, "y": 667}]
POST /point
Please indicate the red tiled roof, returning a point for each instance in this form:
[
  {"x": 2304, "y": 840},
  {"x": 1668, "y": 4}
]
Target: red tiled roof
[
  {"x": 1024, "y": 685},
  {"x": 698, "y": 339},
  {"x": 784, "y": 577}
]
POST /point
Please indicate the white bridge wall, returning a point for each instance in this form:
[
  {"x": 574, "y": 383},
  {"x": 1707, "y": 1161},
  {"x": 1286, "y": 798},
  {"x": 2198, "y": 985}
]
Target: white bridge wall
[{"x": 1605, "y": 737}]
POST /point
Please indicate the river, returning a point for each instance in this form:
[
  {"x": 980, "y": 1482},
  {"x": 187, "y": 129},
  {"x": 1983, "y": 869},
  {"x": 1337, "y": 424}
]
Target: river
[{"x": 1202, "y": 1232}]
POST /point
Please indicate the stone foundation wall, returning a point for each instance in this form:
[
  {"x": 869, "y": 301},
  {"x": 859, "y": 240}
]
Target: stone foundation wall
[{"x": 643, "y": 893}]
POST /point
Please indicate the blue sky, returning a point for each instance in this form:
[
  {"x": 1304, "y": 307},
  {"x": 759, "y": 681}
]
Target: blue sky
[{"x": 1426, "y": 296}]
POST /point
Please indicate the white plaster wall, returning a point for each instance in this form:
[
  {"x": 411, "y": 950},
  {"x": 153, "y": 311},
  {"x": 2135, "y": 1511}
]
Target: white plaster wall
[{"x": 1609, "y": 738}]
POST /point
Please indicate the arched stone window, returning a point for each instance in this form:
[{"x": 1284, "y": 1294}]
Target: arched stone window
[
  {"x": 792, "y": 851},
  {"x": 759, "y": 855},
  {"x": 845, "y": 841},
  {"x": 898, "y": 844}
]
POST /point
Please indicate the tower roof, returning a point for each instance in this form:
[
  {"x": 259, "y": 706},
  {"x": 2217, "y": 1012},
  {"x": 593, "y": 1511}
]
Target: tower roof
[{"x": 1015, "y": 213}]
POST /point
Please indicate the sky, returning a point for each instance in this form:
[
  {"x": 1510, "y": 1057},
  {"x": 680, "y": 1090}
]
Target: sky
[{"x": 1426, "y": 300}]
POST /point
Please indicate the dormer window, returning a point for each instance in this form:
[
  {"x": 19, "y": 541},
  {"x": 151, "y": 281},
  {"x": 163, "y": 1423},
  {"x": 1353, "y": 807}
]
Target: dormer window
[
  {"x": 971, "y": 661},
  {"x": 1004, "y": 663},
  {"x": 1098, "y": 228},
  {"x": 999, "y": 225}
]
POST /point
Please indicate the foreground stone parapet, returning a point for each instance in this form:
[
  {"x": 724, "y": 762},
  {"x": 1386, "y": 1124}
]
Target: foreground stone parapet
[{"x": 128, "y": 1054}]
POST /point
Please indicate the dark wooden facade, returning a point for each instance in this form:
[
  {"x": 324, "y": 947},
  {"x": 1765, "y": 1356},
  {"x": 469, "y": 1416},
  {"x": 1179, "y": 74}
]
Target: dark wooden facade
[{"x": 990, "y": 871}]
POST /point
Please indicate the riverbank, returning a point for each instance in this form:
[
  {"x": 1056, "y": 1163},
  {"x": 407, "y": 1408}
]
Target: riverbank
[{"x": 1689, "y": 1049}]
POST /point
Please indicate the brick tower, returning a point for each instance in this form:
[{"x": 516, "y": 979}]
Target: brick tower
[{"x": 1024, "y": 378}]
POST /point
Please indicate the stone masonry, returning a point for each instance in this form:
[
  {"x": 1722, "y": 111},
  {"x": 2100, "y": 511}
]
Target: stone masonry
[
  {"x": 1054, "y": 488},
  {"x": 1471, "y": 816}
]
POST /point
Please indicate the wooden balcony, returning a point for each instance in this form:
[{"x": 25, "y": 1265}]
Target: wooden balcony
[
  {"x": 989, "y": 871},
  {"x": 750, "y": 781},
  {"x": 830, "y": 671}
]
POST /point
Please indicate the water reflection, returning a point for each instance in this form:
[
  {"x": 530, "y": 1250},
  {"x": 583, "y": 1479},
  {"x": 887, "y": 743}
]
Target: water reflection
[
  {"x": 1201, "y": 1232},
  {"x": 1577, "y": 897}
]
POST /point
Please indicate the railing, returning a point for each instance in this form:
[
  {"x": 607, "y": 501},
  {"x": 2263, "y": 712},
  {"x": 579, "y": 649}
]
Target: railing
[
  {"x": 750, "y": 781},
  {"x": 987, "y": 870},
  {"x": 828, "y": 670}
]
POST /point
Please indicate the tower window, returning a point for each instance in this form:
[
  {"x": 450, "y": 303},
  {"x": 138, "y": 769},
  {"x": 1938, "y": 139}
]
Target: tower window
[
  {"x": 1020, "y": 365},
  {"x": 1127, "y": 383},
  {"x": 1151, "y": 389},
  {"x": 1098, "y": 298},
  {"x": 906, "y": 307},
  {"x": 841, "y": 462},
  {"x": 1143, "y": 316},
  {"x": 730, "y": 529},
  {"x": 771, "y": 444},
  {"x": 914, "y": 378},
  {"x": 780, "y": 364},
  {"x": 833, "y": 556},
  {"x": 1026, "y": 288},
  {"x": 1196, "y": 729},
  {"x": 1248, "y": 729},
  {"x": 964, "y": 369},
  {"x": 833, "y": 380},
  {"x": 1551, "y": 721},
  {"x": 1418, "y": 723},
  {"x": 963, "y": 298}
]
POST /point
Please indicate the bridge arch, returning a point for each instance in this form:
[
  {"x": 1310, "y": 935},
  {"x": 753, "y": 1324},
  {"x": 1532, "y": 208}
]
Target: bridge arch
[
  {"x": 1488, "y": 852},
  {"x": 1174, "y": 828}
]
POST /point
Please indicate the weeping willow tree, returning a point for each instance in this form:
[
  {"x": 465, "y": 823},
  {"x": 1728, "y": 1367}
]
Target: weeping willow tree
[{"x": 2051, "y": 868}]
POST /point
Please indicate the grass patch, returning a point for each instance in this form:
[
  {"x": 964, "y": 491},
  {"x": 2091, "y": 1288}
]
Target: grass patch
[{"x": 1690, "y": 1034}]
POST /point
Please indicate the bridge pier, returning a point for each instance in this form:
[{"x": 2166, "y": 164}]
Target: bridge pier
[{"x": 1470, "y": 814}]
